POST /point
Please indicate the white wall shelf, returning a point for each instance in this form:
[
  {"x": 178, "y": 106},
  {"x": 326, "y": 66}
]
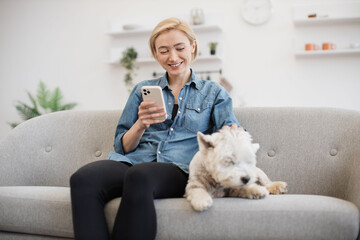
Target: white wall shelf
[
  {"x": 335, "y": 23},
  {"x": 147, "y": 31},
  {"x": 212, "y": 58},
  {"x": 119, "y": 33},
  {"x": 138, "y": 36},
  {"x": 328, "y": 52},
  {"x": 327, "y": 13},
  {"x": 326, "y": 20}
]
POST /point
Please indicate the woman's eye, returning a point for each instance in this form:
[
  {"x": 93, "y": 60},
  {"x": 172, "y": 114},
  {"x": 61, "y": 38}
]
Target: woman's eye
[
  {"x": 180, "y": 49},
  {"x": 163, "y": 50}
]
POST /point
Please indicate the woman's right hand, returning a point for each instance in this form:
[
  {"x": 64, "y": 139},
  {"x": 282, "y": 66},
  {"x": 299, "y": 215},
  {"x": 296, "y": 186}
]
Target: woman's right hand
[{"x": 149, "y": 114}]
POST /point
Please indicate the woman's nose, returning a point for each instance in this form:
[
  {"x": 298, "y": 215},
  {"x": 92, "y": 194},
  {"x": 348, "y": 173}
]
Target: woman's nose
[{"x": 173, "y": 55}]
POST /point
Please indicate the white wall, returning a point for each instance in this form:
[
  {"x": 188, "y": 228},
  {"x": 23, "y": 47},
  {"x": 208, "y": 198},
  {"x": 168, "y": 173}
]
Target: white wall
[{"x": 63, "y": 43}]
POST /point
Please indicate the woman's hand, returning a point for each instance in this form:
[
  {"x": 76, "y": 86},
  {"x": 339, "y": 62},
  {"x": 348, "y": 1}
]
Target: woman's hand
[
  {"x": 234, "y": 126},
  {"x": 149, "y": 114}
]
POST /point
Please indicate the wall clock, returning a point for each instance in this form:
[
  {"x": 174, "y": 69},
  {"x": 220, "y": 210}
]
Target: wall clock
[{"x": 256, "y": 12}]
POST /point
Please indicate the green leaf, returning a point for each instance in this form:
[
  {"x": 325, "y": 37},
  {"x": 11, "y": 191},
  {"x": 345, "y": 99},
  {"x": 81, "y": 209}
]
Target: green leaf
[
  {"x": 33, "y": 101},
  {"x": 43, "y": 95},
  {"x": 13, "y": 124},
  {"x": 55, "y": 100},
  {"x": 68, "y": 106},
  {"x": 26, "y": 112}
]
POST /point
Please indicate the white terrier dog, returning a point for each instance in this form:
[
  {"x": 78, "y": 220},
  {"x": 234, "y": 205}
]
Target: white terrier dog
[{"x": 225, "y": 166}]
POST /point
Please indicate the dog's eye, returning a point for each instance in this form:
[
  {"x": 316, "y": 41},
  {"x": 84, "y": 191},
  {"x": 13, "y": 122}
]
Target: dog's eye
[{"x": 229, "y": 162}]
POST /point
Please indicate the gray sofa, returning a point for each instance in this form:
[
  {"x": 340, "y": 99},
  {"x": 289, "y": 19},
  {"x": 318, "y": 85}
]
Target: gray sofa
[{"x": 315, "y": 150}]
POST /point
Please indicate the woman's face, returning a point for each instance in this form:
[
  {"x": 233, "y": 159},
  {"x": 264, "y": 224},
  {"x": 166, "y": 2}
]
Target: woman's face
[{"x": 174, "y": 52}]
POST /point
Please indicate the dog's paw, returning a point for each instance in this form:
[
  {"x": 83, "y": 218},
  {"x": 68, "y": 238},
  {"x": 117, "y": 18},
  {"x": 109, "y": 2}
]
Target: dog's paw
[
  {"x": 277, "y": 187},
  {"x": 257, "y": 192},
  {"x": 201, "y": 202}
]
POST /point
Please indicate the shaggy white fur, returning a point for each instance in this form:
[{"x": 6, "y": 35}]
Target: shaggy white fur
[{"x": 225, "y": 166}]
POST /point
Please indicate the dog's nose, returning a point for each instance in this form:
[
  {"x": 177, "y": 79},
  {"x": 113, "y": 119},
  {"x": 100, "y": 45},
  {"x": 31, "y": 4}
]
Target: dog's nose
[{"x": 245, "y": 180}]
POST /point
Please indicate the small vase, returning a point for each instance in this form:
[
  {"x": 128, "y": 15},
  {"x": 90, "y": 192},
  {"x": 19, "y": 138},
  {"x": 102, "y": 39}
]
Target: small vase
[{"x": 197, "y": 16}]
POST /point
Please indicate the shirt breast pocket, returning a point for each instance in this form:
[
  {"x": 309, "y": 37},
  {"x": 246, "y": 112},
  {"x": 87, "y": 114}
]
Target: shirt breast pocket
[
  {"x": 198, "y": 116},
  {"x": 157, "y": 127}
]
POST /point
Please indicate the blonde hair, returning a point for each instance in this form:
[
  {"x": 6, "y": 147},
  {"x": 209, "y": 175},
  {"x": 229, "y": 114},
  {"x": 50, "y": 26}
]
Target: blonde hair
[{"x": 172, "y": 24}]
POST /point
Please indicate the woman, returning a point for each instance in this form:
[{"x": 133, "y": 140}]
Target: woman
[{"x": 151, "y": 156}]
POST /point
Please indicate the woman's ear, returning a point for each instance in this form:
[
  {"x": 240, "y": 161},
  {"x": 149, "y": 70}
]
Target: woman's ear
[{"x": 193, "y": 46}]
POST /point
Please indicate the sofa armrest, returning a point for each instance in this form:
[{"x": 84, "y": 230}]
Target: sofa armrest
[{"x": 353, "y": 191}]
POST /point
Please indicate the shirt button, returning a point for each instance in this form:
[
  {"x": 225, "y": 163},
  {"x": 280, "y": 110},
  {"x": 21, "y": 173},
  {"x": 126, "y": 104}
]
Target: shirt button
[
  {"x": 179, "y": 112},
  {"x": 171, "y": 129},
  {"x": 180, "y": 98},
  {"x": 198, "y": 109},
  {"x": 169, "y": 103},
  {"x": 159, "y": 152}
]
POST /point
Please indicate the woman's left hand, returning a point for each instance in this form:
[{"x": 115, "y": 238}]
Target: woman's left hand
[{"x": 234, "y": 126}]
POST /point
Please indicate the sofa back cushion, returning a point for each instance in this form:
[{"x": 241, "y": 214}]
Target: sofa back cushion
[
  {"x": 46, "y": 150},
  {"x": 313, "y": 149}
]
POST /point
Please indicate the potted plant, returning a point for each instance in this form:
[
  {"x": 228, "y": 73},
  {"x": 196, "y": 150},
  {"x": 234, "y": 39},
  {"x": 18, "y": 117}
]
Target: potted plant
[
  {"x": 213, "y": 46},
  {"x": 46, "y": 101},
  {"x": 129, "y": 56}
]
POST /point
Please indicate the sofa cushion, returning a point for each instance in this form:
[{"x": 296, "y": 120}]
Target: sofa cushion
[
  {"x": 25, "y": 236},
  {"x": 275, "y": 217},
  {"x": 36, "y": 210},
  {"x": 47, "y": 211}
]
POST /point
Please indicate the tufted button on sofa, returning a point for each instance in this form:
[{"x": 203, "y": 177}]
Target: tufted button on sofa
[{"x": 315, "y": 150}]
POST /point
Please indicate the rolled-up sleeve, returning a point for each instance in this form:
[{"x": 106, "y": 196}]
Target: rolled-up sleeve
[
  {"x": 127, "y": 120},
  {"x": 223, "y": 114}
]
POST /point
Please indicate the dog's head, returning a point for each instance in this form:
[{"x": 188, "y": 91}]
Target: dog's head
[{"x": 229, "y": 157}]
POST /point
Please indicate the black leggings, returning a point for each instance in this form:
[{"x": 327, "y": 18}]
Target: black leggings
[{"x": 95, "y": 184}]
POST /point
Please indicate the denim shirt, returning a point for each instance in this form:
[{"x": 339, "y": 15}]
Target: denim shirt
[{"x": 204, "y": 106}]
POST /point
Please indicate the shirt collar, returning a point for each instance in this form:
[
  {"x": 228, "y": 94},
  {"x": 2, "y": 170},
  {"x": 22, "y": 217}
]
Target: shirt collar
[
  {"x": 194, "y": 80},
  {"x": 163, "y": 82}
]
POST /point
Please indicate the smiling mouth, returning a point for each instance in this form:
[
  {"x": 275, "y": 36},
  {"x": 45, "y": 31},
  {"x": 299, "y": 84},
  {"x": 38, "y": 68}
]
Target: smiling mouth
[{"x": 175, "y": 65}]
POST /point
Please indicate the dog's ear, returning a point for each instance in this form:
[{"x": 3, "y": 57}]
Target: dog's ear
[
  {"x": 256, "y": 147},
  {"x": 204, "y": 141}
]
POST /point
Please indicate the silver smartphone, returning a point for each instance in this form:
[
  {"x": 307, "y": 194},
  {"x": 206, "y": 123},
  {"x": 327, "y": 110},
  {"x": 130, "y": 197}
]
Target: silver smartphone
[{"x": 154, "y": 93}]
